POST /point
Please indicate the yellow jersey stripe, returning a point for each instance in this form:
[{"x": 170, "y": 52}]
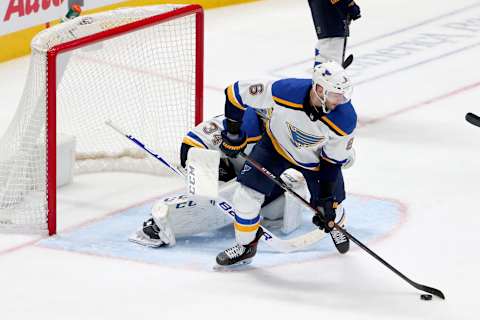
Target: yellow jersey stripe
[
  {"x": 328, "y": 160},
  {"x": 277, "y": 146},
  {"x": 254, "y": 139},
  {"x": 288, "y": 103},
  {"x": 241, "y": 227},
  {"x": 332, "y": 125},
  {"x": 232, "y": 99},
  {"x": 235, "y": 148},
  {"x": 189, "y": 141}
]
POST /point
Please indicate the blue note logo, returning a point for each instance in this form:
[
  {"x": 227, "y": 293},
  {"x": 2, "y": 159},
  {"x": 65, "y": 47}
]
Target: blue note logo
[
  {"x": 245, "y": 169},
  {"x": 302, "y": 139}
]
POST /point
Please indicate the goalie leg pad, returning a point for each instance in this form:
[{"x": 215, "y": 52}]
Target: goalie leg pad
[
  {"x": 189, "y": 215},
  {"x": 287, "y": 206},
  {"x": 293, "y": 210},
  {"x": 160, "y": 215}
]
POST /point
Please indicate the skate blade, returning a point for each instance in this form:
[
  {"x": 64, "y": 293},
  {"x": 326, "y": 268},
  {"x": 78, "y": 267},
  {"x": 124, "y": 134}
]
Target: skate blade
[{"x": 233, "y": 267}]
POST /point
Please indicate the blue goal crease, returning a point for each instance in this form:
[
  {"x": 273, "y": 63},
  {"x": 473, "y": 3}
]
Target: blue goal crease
[{"x": 367, "y": 219}]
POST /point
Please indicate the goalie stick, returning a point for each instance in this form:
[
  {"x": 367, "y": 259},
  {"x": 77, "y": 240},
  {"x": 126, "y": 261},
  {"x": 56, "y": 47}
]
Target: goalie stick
[
  {"x": 281, "y": 245},
  {"x": 282, "y": 185},
  {"x": 473, "y": 119}
]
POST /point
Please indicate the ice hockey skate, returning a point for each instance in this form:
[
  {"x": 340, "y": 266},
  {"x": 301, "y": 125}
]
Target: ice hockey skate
[
  {"x": 239, "y": 254},
  {"x": 148, "y": 236}
]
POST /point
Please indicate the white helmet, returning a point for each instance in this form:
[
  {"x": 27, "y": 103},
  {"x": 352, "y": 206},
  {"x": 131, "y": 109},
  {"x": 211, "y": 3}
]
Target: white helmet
[{"x": 335, "y": 83}]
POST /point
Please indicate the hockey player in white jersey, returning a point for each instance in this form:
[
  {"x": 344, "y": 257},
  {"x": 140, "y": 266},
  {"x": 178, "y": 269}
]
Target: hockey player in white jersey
[
  {"x": 310, "y": 129},
  {"x": 185, "y": 215}
]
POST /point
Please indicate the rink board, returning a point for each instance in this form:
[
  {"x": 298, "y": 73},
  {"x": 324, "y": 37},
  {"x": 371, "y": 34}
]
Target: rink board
[{"x": 368, "y": 219}]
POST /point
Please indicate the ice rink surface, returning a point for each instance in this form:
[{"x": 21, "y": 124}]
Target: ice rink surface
[{"x": 417, "y": 76}]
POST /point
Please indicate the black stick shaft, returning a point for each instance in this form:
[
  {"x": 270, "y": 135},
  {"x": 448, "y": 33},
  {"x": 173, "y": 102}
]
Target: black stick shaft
[
  {"x": 345, "y": 37},
  {"x": 282, "y": 185}
]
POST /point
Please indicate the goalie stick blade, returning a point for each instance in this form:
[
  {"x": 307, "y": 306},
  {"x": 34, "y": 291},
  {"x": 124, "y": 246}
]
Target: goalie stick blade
[
  {"x": 291, "y": 245},
  {"x": 473, "y": 119},
  {"x": 301, "y": 242}
]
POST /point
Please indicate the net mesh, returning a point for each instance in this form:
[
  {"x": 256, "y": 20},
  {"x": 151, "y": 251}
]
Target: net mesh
[{"x": 143, "y": 80}]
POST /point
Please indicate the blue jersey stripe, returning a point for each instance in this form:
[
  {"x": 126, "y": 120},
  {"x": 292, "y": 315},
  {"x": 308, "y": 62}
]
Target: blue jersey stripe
[
  {"x": 236, "y": 91},
  {"x": 196, "y": 138},
  {"x": 324, "y": 155},
  {"x": 247, "y": 221}
]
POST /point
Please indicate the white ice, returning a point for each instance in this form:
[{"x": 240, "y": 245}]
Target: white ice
[{"x": 413, "y": 145}]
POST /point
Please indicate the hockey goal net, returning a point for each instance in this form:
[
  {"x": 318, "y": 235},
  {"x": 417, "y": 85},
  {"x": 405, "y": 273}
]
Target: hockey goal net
[{"x": 140, "y": 67}]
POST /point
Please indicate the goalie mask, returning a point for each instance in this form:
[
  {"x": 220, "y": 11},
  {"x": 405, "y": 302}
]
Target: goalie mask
[{"x": 337, "y": 87}]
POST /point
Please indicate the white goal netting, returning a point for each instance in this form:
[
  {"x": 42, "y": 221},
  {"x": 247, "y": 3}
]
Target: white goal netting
[{"x": 142, "y": 77}]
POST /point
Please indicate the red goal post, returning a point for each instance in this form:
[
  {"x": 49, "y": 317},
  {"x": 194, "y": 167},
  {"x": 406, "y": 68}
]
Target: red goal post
[{"x": 142, "y": 67}]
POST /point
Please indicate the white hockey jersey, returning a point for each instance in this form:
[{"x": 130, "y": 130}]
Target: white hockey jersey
[{"x": 295, "y": 137}]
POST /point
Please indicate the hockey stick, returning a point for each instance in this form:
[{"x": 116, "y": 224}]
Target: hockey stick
[
  {"x": 346, "y": 62},
  {"x": 268, "y": 237},
  {"x": 282, "y": 185},
  {"x": 346, "y": 25},
  {"x": 142, "y": 146},
  {"x": 473, "y": 119}
]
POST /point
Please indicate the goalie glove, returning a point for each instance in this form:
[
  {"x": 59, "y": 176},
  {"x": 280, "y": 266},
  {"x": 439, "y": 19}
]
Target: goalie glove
[{"x": 234, "y": 140}]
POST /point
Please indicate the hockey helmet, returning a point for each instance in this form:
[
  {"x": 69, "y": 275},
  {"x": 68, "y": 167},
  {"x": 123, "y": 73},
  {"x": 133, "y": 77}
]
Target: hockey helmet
[{"x": 335, "y": 82}]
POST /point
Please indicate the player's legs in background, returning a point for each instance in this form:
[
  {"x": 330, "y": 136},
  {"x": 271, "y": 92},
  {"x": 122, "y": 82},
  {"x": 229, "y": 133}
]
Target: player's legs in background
[
  {"x": 328, "y": 49},
  {"x": 330, "y": 30}
]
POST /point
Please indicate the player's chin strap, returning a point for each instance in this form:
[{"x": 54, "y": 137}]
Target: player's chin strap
[
  {"x": 282, "y": 185},
  {"x": 323, "y": 102},
  {"x": 281, "y": 245}
]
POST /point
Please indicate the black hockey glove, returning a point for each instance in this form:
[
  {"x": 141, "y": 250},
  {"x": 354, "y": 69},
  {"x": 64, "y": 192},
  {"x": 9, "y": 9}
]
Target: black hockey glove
[
  {"x": 326, "y": 207},
  {"x": 353, "y": 11},
  {"x": 234, "y": 140}
]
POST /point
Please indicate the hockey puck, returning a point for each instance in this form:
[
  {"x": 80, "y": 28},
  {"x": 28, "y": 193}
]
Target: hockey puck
[{"x": 426, "y": 297}]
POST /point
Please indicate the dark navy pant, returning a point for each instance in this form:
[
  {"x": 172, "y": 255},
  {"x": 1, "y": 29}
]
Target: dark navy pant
[
  {"x": 329, "y": 21},
  {"x": 265, "y": 154}
]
